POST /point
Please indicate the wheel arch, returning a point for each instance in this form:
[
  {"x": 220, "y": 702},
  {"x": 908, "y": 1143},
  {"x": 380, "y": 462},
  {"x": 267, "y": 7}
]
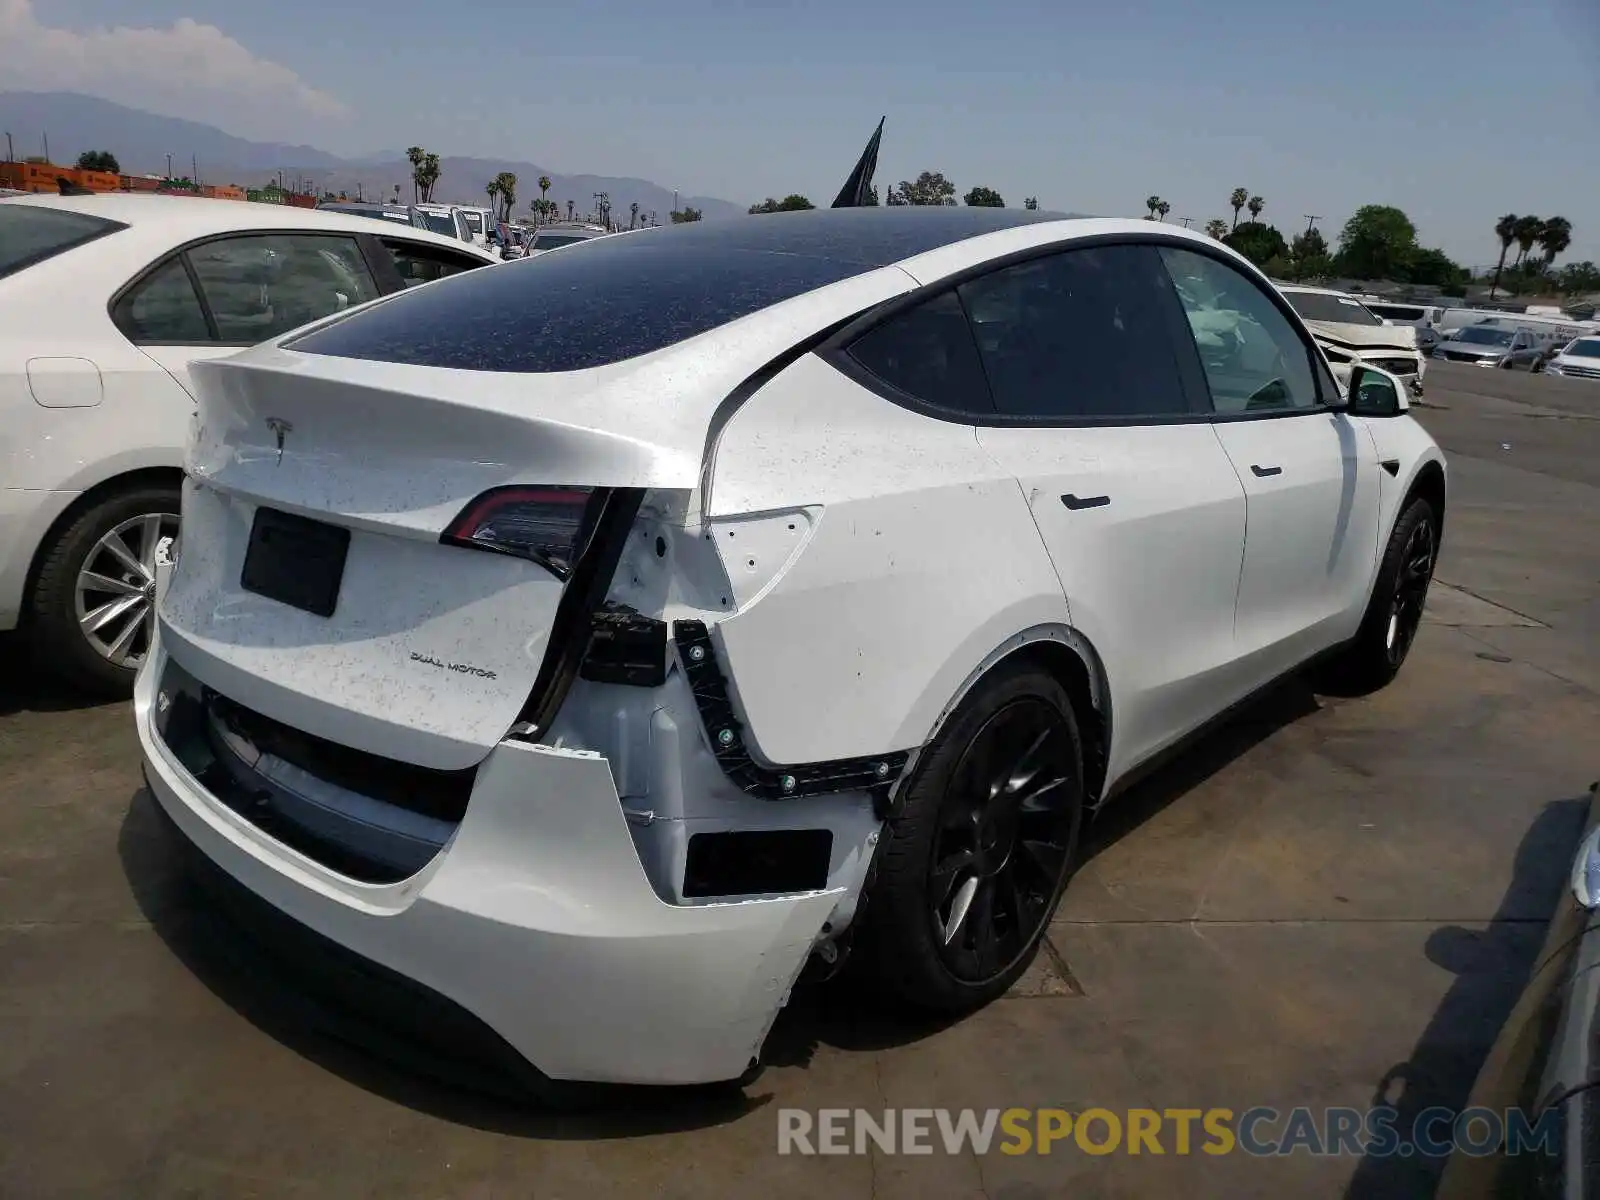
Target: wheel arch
[
  {"x": 1428, "y": 484},
  {"x": 1070, "y": 658},
  {"x": 126, "y": 481}
]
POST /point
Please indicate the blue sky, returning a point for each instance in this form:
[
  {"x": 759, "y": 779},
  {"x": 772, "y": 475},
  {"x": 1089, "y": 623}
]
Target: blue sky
[{"x": 1456, "y": 112}]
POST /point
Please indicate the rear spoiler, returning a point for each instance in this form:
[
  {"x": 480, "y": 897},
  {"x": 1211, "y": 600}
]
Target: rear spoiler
[{"x": 857, "y": 189}]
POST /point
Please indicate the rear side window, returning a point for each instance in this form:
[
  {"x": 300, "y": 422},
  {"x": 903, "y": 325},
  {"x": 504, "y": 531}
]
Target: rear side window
[
  {"x": 419, "y": 262},
  {"x": 163, "y": 307},
  {"x": 928, "y": 353},
  {"x": 260, "y": 286},
  {"x": 30, "y": 234},
  {"x": 1086, "y": 334}
]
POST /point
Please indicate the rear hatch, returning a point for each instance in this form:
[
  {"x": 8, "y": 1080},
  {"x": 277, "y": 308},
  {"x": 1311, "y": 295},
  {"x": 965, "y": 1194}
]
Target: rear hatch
[{"x": 312, "y": 584}]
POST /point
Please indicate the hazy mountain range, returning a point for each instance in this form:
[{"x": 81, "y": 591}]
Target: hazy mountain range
[{"x": 142, "y": 142}]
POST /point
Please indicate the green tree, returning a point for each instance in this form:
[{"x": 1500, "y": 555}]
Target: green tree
[
  {"x": 99, "y": 160},
  {"x": 1255, "y": 206},
  {"x": 871, "y": 200},
  {"x": 1240, "y": 197},
  {"x": 633, "y": 215},
  {"x": 1031, "y": 204},
  {"x": 1217, "y": 228},
  {"x": 929, "y": 189},
  {"x": 983, "y": 197},
  {"x": 1506, "y": 230},
  {"x": 793, "y": 202},
  {"x": 1435, "y": 268},
  {"x": 1257, "y": 242},
  {"x": 1579, "y": 278},
  {"x": 1163, "y": 209},
  {"x": 492, "y": 190},
  {"x": 1152, "y": 203},
  {"x": 1309, "y": 254},
  {"x": 1377, "y": 243},
  {"x": 506, "y": 184},
  {"x": 1280, "y": 266},
  {"x": 686, "y": 214},
  {"x": 1555, "y": 237},
  {"x": 415, "y": 156}
]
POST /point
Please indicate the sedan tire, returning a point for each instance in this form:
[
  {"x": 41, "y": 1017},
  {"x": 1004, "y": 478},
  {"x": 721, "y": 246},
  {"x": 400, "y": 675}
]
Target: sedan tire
[
  {"x": 92, "y": 609},
  {"x": 976, "y": 856}
]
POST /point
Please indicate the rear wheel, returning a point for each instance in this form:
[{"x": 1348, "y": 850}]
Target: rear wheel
[
  {"x": 92, "y": 611},
  {"x": 1375, "y": 655},
  {"x": 973, "y": 864}
]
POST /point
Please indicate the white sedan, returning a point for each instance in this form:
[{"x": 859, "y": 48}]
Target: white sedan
[
  {"x": 577, "y": 649},
  {"x": 105, "y": 302}
]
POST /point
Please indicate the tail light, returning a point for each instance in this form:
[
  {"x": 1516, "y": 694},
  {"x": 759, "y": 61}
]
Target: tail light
[{"x": 547, "y": 525}]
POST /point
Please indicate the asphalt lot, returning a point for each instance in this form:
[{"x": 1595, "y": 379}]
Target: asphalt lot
[{"x": 1330, "y": 902}]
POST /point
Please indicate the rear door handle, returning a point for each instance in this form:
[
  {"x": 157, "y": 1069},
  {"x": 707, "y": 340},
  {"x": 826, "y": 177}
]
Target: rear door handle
[
  {"x": 1076, "y": 502},
  {"x": 1263, "y": 472}
]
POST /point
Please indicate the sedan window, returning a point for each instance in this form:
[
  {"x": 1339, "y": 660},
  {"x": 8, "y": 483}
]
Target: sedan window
[
  {"x": 259, "y": 286},
  {"x": 928, "y": 353},
  {"x": 1254, "y": 359},
  {"x": 163, "y": 307},
  {"x": 419, "y": 262}
]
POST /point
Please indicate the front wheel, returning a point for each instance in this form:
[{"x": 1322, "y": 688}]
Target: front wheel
[
  {"x": 974, "y": 862},
  {"x": 1372, "y": 658},
  {"x": 92, "y": 610}
]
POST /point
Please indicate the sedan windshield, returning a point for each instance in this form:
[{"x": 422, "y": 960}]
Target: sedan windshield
[
  {"x": 1315, "y": 306},
  {"x": 439, "y": 223},
  {"x": 1583, "y": 348},
  {"x": 1484, "y": 335},
  {"x": 474, "y": 220}
]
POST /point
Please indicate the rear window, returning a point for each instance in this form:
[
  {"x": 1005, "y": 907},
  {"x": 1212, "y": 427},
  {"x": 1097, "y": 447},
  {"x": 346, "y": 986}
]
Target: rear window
[
  {"x": 29, "y": 234},
  {"x": 549, "y": 241},
  {"x": 1316, "y": 306},
  {"x": 612, "y": 299}
]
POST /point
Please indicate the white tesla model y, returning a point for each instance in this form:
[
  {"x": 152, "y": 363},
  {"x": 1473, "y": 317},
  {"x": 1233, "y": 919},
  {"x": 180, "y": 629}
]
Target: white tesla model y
[{"x": 566, "y": 654}]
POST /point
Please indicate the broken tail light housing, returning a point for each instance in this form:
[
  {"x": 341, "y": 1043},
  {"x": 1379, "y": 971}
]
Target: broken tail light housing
[{"x": 547, "y": 525}]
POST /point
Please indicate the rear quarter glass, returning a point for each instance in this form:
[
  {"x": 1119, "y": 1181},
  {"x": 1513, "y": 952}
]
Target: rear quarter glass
[{"x": 31, "y": 233}]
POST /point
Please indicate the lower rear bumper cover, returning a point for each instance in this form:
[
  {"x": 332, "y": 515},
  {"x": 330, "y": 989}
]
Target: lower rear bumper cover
[{"x": 537, "y": 919}]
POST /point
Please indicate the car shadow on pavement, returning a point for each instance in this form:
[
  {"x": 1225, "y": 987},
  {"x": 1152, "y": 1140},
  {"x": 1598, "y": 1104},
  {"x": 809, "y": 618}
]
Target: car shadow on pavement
[
  {"x": 183, "y": 915},
  {"x": 26, "y": 687},
  {"x": 1492, "y": 967}
]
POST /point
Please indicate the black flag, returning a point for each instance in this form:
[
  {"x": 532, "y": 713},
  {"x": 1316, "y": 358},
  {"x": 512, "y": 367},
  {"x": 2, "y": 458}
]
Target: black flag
[{"x": 858, "y": 187}]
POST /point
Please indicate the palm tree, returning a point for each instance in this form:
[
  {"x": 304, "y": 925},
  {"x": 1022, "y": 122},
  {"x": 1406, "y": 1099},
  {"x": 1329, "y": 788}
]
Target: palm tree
[
  {"x": 570, "y": 206},
  {"x": 492, "y": 190},
  {"x": 1218, "y": 228},
  {"x": 1240, "y": 197},
  {"x": 1555, "y": 237},
  {"x": 506, "y": 184},
  {"x": 1255, "y": 206},
  {"x": 1152, "y": 203},
  {"x": 633, "y": 214},
  {"x": 1527, "y": 233},
  {"x": 544, "y": 191},
  {"x": 415, "y": 155},
  {"x": 1506, "y": 230},
  {"x": 429, "y": 173},
  {"x": 1163, "y": 209}
]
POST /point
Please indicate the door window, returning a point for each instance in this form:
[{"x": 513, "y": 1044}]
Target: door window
[
  {"x": 1085, "y": 334},
  {"x": 418, "y": 262},
  {"x": 1254, "y": 359},
  {"x": 261, "y": 285},
  {"x": 163, "y": 307}
]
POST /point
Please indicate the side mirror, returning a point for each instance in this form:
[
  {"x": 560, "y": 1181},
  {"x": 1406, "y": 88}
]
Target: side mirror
[{"x": 1375, "y": 393}]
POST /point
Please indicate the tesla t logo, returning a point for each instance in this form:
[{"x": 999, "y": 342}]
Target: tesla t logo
[{"x": 279, "y": 427}]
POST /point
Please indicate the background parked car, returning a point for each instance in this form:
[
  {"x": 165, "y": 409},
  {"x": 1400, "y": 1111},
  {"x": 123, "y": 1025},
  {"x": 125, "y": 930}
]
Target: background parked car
[
  {"x": 1505, "y": 346},
  {"x": 550, "y": 237},
  {"x": 1352, "y": 333},
  {"x": 1578, "y": 359},
  {"x": 104, "y": 302}
]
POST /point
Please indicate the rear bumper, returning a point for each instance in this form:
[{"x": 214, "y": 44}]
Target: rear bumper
[{"x": 537, "y": 921}]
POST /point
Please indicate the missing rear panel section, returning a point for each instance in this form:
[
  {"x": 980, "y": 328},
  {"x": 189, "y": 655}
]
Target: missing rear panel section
[{"x": 757, "y": 862}]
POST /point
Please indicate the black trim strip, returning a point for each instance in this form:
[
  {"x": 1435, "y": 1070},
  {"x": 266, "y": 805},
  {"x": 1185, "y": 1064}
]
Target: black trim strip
[
  {"x": 583, "y": 596},
  {"x": 699, "y": 659}
]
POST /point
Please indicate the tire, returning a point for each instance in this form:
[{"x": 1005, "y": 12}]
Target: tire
[
  {"x": 1372, "y": 658},
  {"x": 1012, "y": 883},
  {"x": 105, "y": 664}
]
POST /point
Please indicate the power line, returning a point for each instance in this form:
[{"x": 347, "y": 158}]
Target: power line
[{"x": 1311, "y": 221}]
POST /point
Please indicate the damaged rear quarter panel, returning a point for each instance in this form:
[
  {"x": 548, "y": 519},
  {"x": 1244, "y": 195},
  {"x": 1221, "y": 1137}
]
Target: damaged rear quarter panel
[{"x": 920, "y": 558}]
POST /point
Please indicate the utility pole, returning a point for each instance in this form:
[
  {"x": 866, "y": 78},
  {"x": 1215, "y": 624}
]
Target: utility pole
[
  {"x": 169, "y": 166},
  {"x": 1311, "y": 221},
  {"x": 11, "y": 154},
  {"x": 1186, "y": 221},
  {"x": 47, "y": 147}
]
